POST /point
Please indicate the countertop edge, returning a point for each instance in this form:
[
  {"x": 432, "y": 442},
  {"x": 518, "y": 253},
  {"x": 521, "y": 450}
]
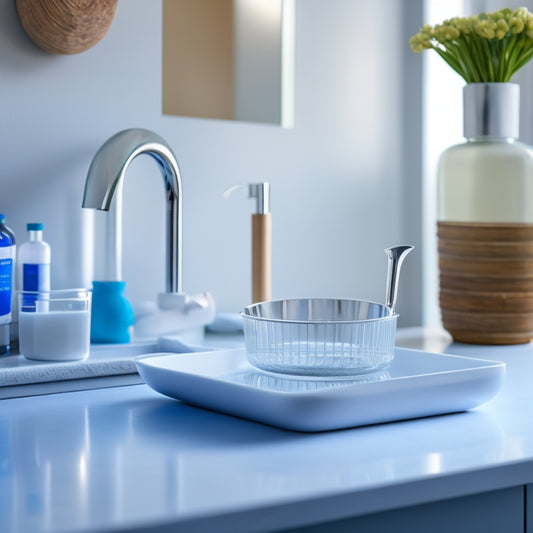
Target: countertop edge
[{"x": 330, "y": 507}]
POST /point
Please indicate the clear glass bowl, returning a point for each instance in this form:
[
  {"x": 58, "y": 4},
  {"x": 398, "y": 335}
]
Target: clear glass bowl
[{"x": 319, "y": 336}]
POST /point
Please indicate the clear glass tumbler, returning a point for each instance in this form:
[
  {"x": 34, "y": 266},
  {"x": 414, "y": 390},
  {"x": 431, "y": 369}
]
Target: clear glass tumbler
[{"x": 55, "y": 325}]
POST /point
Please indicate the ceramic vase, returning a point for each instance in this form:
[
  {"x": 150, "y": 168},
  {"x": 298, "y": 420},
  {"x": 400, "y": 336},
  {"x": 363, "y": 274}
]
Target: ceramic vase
[{"x": 485, "y": 223}]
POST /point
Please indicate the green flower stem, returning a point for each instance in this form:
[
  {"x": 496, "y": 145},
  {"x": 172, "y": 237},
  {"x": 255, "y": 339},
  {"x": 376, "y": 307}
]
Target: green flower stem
[
  {"x": 452, "y": 62},
  {"x": 485, "y": 49},
  {"x": 524, "y": 59},
  {"x": 515, "y": 52},
  {"x": 471, "y": 67},
  {"x": 507, "y": 46}
]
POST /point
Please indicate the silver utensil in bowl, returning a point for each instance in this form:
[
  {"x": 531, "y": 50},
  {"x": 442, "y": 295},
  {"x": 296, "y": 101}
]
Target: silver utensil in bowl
[{"x": 396, "y": 256}]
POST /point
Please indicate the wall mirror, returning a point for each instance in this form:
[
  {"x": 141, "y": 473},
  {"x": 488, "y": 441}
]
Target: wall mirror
[{"x": 229, "y": 59}]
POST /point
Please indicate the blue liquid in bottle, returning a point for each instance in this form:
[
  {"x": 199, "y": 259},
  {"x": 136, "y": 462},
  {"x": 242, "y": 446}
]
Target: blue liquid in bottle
[{"x": 7, "y": 260}]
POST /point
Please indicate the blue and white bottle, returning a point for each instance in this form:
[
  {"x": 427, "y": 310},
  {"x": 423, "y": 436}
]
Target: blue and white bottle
[
  {"x": 7, "y": 264},
  {"x": 33, "y": 271}
]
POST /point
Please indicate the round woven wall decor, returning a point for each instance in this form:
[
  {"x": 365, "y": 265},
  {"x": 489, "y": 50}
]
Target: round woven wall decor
[{"x": 66, "y": 26}]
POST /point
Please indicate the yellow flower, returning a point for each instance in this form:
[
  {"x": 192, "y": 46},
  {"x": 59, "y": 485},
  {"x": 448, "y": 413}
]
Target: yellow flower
[
  {"x": 501, "y": 29},
  {"x": 465, "y": 25},
  {"x": 422, "y": 40},
  {"x": 486, "y": 28},
  {"x": 427, "y": 30},
  {"x": 446, "y": 32},
  {"x": 516, "y": 25},
  {"x": 419, "y": 42},
  {"x": 529, "y": 28},
  {"x": 522, "y": 13}
]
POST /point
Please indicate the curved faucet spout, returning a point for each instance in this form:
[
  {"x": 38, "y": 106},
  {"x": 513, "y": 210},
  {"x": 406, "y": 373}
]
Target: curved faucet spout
[{"x": 107, "y": 171}]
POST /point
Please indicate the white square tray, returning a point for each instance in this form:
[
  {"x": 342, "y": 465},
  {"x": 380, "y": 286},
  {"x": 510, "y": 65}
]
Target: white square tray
[{"x": 416, "y": 384}]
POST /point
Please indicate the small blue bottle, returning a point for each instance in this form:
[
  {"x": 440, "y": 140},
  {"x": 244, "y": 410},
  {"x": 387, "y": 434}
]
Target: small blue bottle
[{"x": 7, "y": 260}]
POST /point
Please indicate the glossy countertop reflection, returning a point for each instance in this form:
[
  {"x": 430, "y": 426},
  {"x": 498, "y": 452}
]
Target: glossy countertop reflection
[{"x": 126, "y": 457}]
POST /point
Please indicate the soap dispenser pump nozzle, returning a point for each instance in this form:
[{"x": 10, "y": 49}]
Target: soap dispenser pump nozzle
[{"x": 259, "y": 191}]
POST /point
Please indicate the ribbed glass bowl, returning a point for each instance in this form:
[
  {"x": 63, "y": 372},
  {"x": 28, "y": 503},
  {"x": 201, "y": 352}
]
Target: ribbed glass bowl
[{"x": 319, "y": 336}]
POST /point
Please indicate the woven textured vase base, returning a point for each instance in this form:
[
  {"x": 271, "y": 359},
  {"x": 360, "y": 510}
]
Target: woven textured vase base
[{"x": 486, "y": 282}]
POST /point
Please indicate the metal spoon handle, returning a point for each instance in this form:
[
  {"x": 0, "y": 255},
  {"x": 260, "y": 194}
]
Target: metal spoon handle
[{"x": 396, "y": 256}]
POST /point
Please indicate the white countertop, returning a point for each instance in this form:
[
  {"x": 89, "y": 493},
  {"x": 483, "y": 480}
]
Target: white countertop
[{"x": 117, "y": 458}]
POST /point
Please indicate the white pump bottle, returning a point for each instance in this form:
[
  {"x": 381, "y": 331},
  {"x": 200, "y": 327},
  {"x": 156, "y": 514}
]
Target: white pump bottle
[{"x": 33, "y": 272}]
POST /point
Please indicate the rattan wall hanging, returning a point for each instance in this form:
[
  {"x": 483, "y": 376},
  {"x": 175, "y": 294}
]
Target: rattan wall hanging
[{"x": 66, "y": 26}]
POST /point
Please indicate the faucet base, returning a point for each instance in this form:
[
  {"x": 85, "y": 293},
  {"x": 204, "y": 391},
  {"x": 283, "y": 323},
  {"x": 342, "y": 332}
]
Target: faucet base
[{"x": 177, "y": 312}]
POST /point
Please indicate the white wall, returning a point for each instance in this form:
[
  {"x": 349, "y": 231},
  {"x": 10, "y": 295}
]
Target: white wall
[{"x": 341, "y": 190}]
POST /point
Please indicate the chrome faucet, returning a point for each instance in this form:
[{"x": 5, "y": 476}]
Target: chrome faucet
[{"x": 107, "y": 171}]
